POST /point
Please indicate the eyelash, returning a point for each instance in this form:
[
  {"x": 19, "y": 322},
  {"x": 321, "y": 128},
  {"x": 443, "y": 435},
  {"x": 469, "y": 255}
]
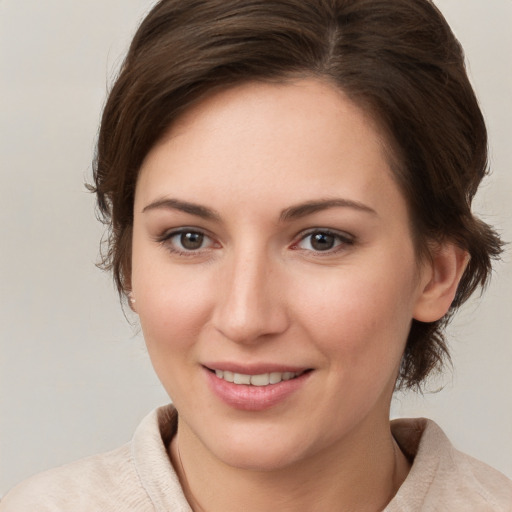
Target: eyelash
[
  {"x": 166, "y": 240},
  {"x": 342, "y": 240}
]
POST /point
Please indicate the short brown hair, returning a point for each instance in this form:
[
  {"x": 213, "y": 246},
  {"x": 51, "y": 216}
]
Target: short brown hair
[{"x": 397, "y": 59}]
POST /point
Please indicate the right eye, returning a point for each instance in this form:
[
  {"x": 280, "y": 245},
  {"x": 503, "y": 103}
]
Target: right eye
[{"x": 186, "y": 241}]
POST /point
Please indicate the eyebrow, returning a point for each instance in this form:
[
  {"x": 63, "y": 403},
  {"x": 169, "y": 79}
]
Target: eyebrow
[
  {"x": 291, "y": 213},
  {"x": 310, "y": 207},
  {"x": 183, "y": 206}
]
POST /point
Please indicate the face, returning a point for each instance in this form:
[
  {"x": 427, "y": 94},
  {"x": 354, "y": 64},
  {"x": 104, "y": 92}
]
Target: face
[{"x": 274, "y": 273}]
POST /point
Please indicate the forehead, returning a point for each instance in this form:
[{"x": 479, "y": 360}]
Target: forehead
[{"x": 258, "y": 140}]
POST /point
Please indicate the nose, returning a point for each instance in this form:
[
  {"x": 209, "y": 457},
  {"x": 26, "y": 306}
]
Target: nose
[{"x": 251, "y": 305}]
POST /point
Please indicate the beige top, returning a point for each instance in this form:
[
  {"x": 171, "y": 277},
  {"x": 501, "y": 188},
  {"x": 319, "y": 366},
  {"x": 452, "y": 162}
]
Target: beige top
[{"x": 139, "y": 477}]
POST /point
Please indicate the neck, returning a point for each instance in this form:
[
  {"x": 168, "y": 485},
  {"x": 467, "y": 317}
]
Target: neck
[{"x": 362, "y": 474}]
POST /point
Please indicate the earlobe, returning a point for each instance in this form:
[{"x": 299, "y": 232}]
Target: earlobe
[
  {"x": 440, "y": 278},
  {"x": 131, "y": 302}
]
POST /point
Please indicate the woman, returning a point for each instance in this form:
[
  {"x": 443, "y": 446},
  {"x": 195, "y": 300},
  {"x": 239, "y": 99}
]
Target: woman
[{"x": 287, "y": 186}]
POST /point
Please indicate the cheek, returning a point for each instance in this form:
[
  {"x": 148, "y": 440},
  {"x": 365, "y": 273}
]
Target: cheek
[
  {"x": 171, "y": 312},
  {"x": 362, "y": 316},
  {"x": 172, "y": 301}
]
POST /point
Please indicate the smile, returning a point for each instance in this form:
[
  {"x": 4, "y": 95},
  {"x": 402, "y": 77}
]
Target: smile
[{"x": 263, "y": 379}]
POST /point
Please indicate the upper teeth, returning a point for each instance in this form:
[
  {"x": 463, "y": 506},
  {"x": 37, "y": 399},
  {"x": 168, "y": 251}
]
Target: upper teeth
[{"x": 263, "y": 379}]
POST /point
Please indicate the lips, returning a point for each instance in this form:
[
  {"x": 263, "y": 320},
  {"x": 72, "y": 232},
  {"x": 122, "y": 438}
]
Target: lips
[
  {"x": 262, "y": 379},
  {"x": 256, "y": 388}
]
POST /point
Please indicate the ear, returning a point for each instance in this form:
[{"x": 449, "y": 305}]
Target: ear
[
  {"x": 440, "y": 278},
  {"x": 132, "y": 302}
]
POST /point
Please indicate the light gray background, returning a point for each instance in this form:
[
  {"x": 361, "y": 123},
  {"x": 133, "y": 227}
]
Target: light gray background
[{"x": 74, "y": 376}]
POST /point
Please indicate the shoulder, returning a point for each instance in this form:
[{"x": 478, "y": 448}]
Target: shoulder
[
  {"x": 94, "y": 483},
  {"x": 115, "y": 481},
  {"x": 443, "y": 478}
]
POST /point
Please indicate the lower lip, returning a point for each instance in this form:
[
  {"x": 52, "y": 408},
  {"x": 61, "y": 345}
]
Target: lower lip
[{"x": 254, "y": 398}]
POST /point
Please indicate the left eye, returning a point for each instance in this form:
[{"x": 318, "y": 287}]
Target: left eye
[{"x": 322, "y": 241}]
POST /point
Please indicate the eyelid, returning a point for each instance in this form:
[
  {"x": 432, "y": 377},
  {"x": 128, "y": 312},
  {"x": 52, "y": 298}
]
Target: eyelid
[
  {"x": 345, "y": 239},
  {"x": 164, "y": 239}
]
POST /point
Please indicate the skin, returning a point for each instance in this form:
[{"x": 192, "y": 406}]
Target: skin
[{"x": 258, "y": 291}]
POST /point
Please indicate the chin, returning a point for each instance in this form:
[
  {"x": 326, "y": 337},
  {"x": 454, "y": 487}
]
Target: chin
[
  {"x": 258, "y": 459},
  {"x": 259, "y": 451}
]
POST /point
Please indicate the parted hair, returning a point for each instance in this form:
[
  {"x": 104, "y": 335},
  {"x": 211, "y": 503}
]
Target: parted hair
[{"x": 396, "y": 59}]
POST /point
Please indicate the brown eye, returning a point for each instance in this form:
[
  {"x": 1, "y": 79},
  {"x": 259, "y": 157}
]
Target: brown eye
[
  {"x": 322, "y": 241},
  {"x": 191, "y": 241},
  {"x": 186, "y": 242}
]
